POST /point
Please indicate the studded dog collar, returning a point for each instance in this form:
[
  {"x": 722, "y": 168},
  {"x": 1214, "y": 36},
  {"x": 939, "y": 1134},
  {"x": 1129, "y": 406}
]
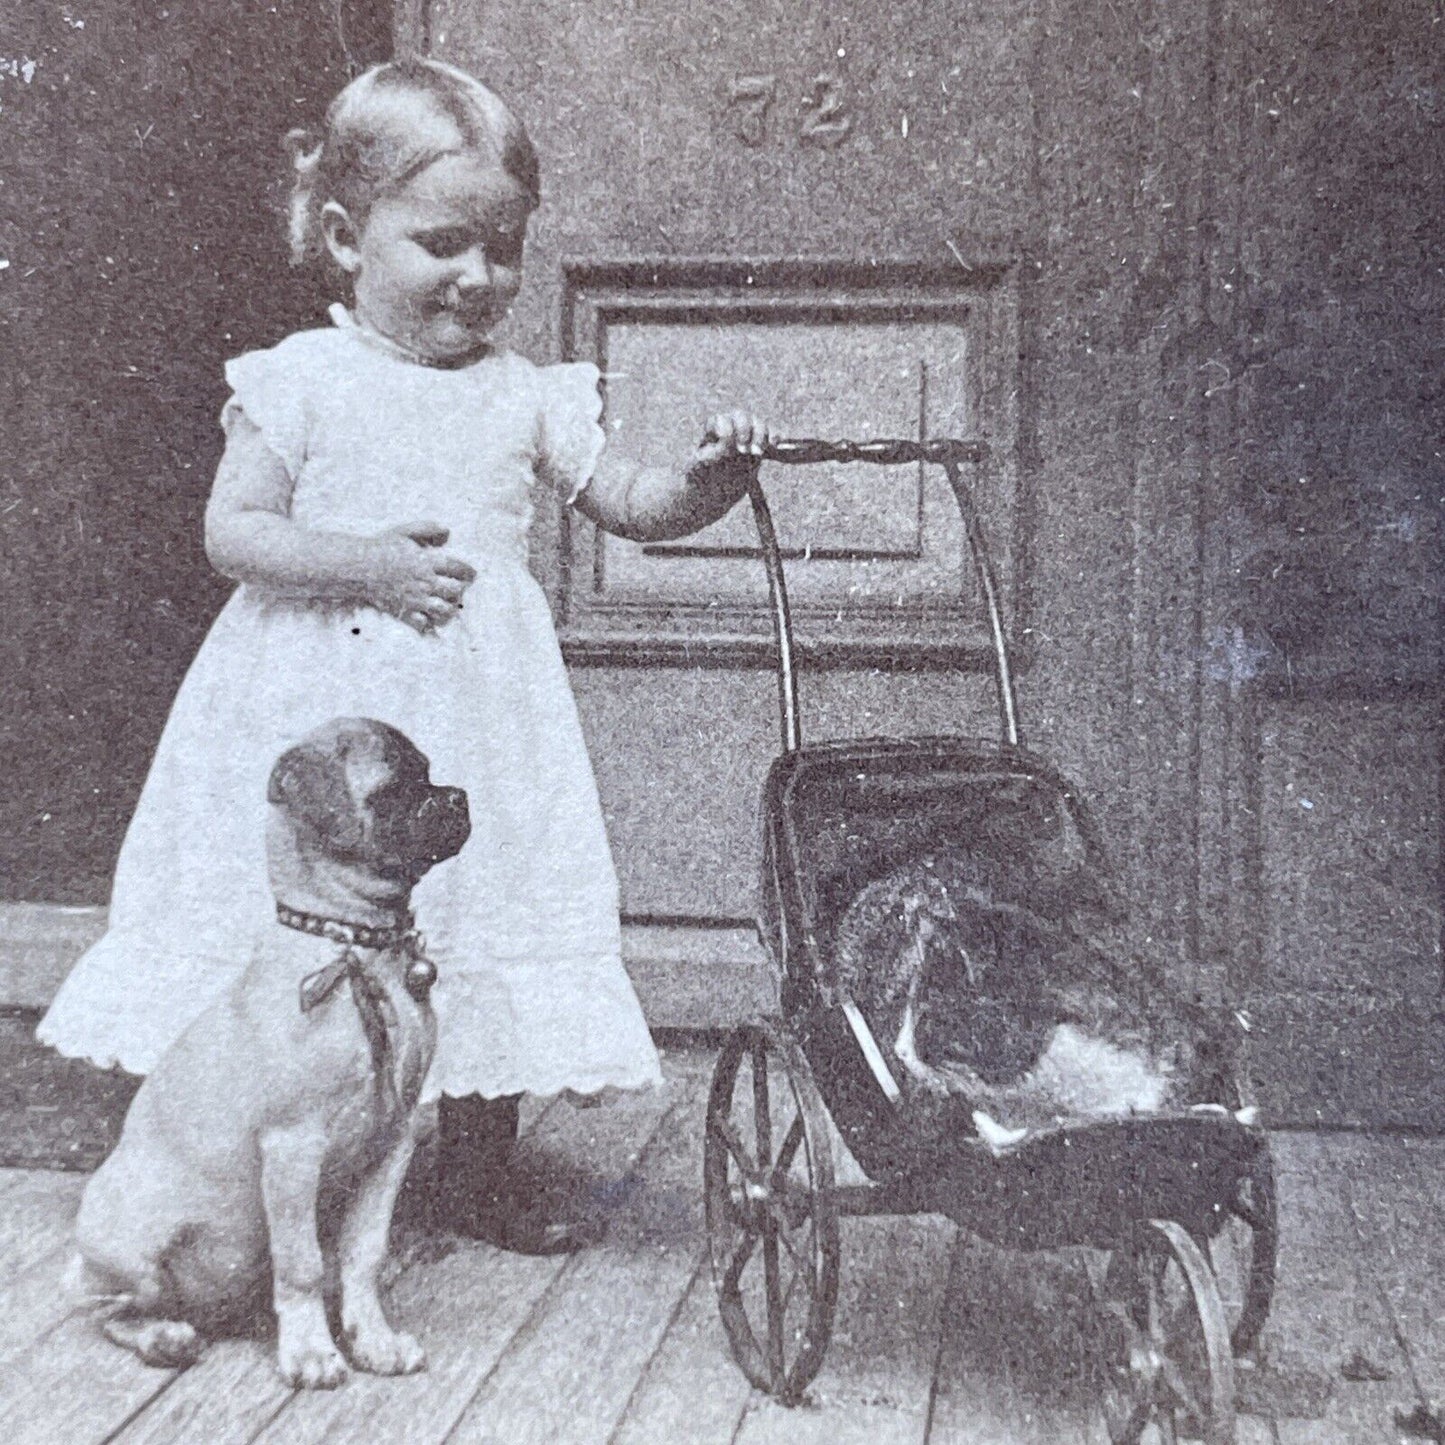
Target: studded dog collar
[
  {"x": 353, "y": 935},
  {"x": 376, "y": 1011},
  {"x": 316, "y": 987}
]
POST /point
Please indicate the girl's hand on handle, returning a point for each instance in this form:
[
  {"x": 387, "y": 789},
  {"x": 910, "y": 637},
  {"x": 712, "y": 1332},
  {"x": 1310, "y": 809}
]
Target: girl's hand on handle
[
  {"x": 651, "y": 504},
  {"x": 725, "y": 462},
  {"x": 414, "y": 579},
  {"x": 735, "y": 435}
]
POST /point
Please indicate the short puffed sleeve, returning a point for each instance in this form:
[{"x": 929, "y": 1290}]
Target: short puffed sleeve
[
  {"x": 270, "y": 387},
  {"x": 571, "y": 426}
]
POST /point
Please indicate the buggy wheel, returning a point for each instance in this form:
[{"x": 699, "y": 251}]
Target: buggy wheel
[
  {"x": 1168, "y": 1363},
  {"x": 772, "y": 1214},
  {"x": 1243, "y": 1245}
]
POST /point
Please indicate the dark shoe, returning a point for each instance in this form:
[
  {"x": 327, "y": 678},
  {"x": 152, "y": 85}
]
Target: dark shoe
[
  {"x": 479, "y": 1196},
  {"x": 521, "y": 1230}
]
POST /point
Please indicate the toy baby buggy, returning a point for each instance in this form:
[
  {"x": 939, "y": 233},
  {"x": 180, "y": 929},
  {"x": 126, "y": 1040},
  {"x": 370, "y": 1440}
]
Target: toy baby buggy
[{"x": 955, "y": 1005}]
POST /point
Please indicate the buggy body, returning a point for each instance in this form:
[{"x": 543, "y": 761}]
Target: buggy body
[
  {"x": 839, "y": 814},
  {"x": 1006, "y": 853}
]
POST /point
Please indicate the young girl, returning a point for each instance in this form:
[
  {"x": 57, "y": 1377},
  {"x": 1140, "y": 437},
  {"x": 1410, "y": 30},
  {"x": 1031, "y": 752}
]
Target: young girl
[{"x": 373, "y": 502}]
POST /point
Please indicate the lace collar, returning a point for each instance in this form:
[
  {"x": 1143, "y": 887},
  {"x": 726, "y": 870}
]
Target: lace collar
[{"x": 344, "y": 320}]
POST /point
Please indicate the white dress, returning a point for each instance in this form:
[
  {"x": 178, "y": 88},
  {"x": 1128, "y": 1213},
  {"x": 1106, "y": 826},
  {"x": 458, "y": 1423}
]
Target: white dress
[{"x": 523, "y": 923}]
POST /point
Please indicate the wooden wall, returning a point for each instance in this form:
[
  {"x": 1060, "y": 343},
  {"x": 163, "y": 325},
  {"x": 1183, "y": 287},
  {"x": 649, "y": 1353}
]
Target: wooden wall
[
  {"x": 1225, "y": 225},
  {"x": 142, "y": 225},
  {"x": 1326, "y": 548},
  {"x": 1225, "y": 222}
]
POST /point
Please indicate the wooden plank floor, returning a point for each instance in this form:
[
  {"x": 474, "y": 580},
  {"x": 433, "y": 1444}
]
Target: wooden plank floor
[{"x": 939, "y": 1339}]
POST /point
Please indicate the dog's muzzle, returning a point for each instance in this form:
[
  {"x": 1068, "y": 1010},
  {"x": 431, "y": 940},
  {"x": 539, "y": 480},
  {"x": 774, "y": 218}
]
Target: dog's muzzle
[{"x": 437, "y": 830}]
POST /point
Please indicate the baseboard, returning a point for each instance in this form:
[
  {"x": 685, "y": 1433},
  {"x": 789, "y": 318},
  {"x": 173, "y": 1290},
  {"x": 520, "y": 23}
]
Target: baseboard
[
  {"x": 687, "y": 978},
  {"x": 1361, "y": 1066},
  {"x": 38, "y": 944},
  {"x": 1366, "y": 1061},
  {"x": 698, "y": 978}
]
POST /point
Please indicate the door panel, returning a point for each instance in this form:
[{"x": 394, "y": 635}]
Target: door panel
[
  {"x": 1346, "y": 994},
  {"x": 822, "y": 219},
  {"x": 877, "y": 554},
  {"x": 818, "y": 217}
]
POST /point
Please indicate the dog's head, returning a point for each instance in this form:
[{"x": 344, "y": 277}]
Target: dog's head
[{"x": 359, "y": 792}]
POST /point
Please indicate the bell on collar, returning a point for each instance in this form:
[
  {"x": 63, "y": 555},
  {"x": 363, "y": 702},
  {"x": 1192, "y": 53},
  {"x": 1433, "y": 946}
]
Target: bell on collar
[{"x": 421, "y": 974}]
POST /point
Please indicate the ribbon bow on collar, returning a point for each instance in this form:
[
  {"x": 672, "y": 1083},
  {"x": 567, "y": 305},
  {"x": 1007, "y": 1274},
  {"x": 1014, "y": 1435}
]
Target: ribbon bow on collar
[
  {"x": 373, "y": 1006},
  {"x": 317, "y": 987}
]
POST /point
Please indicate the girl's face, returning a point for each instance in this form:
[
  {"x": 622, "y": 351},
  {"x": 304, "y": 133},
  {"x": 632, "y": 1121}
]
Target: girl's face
[{"x": 437, "y": 263}]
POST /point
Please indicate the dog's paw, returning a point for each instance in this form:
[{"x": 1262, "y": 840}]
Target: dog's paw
[
  {"x": 313, "y": 1367},
  {"x": 385, "y": 1352},
  {"x": 173, "y": 1344},
  {"x": 163, "y": 1344}
]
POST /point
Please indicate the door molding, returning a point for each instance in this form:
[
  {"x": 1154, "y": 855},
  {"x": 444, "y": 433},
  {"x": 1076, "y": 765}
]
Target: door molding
[{"x": 875, "y": 597}]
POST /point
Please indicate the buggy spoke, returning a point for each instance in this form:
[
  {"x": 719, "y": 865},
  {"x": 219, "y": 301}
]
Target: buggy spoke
[
  {"x": 1173, "y": 1316},
  {"x": 1153, "y": 1309},
  {"x": 789, "y": 1150},
  {"x": 799, "y": 1276},
  {"x": 1244, "y": 1209},
  {"x": 737, "y": 1210},
  {"x": 772, "y": 1280},
  {"x": 790, "y": 1203},
  {"x": 802, "y": 1259},
  {"x": 762, "y": 1114},
  {"x": 738, "y": 1263},
  {"x": 1180, "y": 1390},
  {"x": 724, "y": 1130}
]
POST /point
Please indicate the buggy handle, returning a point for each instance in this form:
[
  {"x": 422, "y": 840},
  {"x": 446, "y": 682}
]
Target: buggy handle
[
  {"x": 947, "y": 453},
  {"x": 885, "y": 452}
]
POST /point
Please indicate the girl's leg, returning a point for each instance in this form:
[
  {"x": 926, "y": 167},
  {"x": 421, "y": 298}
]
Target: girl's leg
[{"x": 479, "y": 1195}]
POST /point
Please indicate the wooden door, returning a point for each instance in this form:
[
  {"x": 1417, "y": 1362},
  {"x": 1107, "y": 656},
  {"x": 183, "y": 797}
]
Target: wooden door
[
  {"x": 142, "y": 242},
  {"x": 1040, "y": 222},
  {"x": 822, "y": 222}
]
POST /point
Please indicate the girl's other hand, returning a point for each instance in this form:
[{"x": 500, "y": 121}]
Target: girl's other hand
[
  {"x": 414, "y": 579},
  {"x": 729, "y": 435}
]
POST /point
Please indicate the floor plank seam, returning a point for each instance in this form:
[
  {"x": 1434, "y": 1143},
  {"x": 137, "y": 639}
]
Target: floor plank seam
[
  {"x": 140, "y": 1409},
  {"x": 524, "y": 1332},
  {"x": 749, "y": 1406},
  {"x": 1397, "y": 1330},
  {"x": 79, "y": 1311},
  {"x": 272, "y": 1418},
  {"x": 955, "y": 1255},
  {"x": 1402, "y": 1343},
  {"x": 530, "y": 1326},
  {"x": 544, "y": 1113},
  {"x": 17, "y": 1276},
  {"x": 46, "y": 1264},
  {"x": 617, "y": 1425}
]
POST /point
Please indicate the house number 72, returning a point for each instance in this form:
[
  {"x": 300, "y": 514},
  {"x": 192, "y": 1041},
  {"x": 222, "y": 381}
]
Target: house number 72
[{"x": 825, "y": 120}]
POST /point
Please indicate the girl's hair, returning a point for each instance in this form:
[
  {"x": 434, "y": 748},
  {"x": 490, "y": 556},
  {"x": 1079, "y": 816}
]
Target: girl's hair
[{"x": 372, "y": 144}]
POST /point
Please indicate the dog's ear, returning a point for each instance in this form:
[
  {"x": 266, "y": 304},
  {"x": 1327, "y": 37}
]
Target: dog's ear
[{"x": 310, "y": 783}]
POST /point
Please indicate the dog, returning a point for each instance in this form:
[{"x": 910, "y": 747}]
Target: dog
[{"x": 290, "y": 1104}]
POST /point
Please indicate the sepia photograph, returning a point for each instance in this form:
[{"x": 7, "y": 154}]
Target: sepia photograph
[{"x": 721, "y": 724}]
